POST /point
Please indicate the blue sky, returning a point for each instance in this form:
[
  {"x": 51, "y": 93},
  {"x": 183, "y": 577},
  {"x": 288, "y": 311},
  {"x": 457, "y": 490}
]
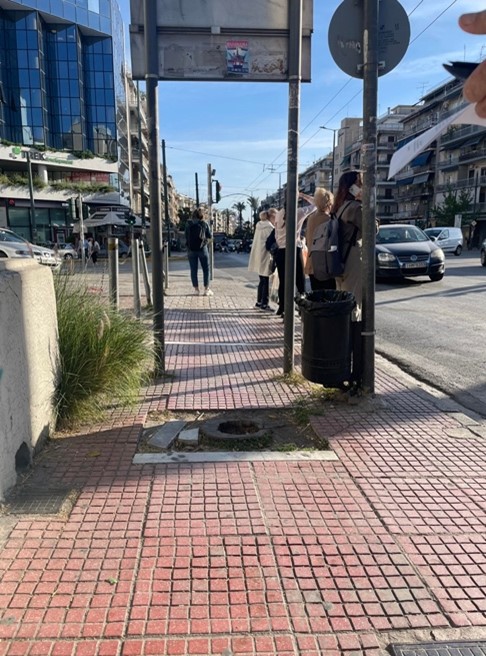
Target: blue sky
[{"x": 241, "y": 128}]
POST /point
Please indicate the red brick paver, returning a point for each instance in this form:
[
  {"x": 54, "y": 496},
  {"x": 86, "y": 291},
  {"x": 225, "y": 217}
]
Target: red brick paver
[{"x": 286, "y": 558}]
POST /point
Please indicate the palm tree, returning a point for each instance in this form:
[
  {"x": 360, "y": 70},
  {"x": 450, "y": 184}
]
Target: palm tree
[
  {"x": 254, "y": 204},
  {"x": 239, "y": 207}
]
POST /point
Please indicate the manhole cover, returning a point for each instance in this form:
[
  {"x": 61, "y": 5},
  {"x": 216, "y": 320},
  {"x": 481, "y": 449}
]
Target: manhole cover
[
  {"x": 233, "y": 429},
  {"x": 440, "y": 649},
  {"x": 30, "y": 501}
]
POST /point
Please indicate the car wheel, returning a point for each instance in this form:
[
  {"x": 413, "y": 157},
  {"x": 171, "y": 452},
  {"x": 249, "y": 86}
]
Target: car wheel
[
  {"x": 68, "y": 256},
  {"x": 2, "y": 254},
  {"x": 483, "y": 258},
  {"x": 435, "y": 277},
  {"x": 458, "y": 250}
]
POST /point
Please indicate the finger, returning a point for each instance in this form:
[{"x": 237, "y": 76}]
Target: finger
[
  {"x": 481, "y": 108},
  {"x": 474, "y": 23},
  {"x": 475, "y": 85}
]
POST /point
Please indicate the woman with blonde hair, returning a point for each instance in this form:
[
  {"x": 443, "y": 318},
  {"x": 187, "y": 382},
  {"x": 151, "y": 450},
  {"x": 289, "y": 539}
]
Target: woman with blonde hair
[
  {"x": 260, "y": 258},
  {"x": 323, "y": 200}
]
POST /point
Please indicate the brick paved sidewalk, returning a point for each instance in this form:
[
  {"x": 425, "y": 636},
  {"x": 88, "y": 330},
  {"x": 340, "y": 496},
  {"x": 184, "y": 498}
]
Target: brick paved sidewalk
[{"x": 384, "y": 545}]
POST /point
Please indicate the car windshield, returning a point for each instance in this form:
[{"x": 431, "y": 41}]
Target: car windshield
[
  {"x": 399, "y": 235},
  {"x": 433, "y": 232},
  {"x": 6, "y": 235}
]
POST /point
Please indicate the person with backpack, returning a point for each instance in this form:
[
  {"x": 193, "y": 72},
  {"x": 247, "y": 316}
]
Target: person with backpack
[
  {"x": 323, "y": 200},
  {"x": 197, "y": 236},
  {"x": 347, "y": 208},
  {"x": 260, "y": 258}
]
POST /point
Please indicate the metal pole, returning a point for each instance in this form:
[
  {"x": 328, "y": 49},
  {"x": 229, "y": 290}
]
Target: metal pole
[
  {"x": 142, "y": 184},
  {"x": 146, "y": 282},
  {"x": 210, "y": 219},
  {"x": 151, "y": 84},
  {"x": 136, "y": 278},
  {"x": 333, "y": 158},
  {"x": 113, "y": 271},
  {"x": 295, "y": 56},
  {"x": 197, "y": 190},
  {"x": 166, "y": 211},
  {"x": 166, "y": 267},
  {"x": 33, "y": 226},
  {"x": 81, "y": 232},
  {"x": 368, "y": 165}
]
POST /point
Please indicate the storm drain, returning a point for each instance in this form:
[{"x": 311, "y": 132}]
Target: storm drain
[
  {"x": 440, "y": 649},
  {"x": 34, "y": 501}
]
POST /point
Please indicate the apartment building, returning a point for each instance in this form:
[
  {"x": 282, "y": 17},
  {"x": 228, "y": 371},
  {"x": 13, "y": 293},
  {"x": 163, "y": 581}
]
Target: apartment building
[{"x": 455, "y": 162}]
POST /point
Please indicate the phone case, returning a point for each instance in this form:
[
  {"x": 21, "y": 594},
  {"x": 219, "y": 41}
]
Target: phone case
[{"x": 460, "y": 70}]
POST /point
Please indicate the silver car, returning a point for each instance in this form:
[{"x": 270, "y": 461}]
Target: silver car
[{"x": 13, "y": 245}]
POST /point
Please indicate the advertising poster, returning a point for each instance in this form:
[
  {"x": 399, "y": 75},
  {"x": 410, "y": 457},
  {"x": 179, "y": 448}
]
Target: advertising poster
[{"x": 237, "y": 57}]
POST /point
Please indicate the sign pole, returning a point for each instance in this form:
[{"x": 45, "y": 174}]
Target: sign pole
[
  {"x": 151, "y": 84},
  {"x": 368, "y": 165},
  {"x": 295, "y": 60}
]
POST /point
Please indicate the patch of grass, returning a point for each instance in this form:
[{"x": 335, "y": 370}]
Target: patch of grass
[
  {"x": 105, "y": 355},
  {"x": 294, "y": 379}
]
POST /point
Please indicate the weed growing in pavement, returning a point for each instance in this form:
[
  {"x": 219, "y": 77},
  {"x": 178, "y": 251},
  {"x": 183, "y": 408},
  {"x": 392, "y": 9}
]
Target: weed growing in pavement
[{"x": 105, "y": 355}]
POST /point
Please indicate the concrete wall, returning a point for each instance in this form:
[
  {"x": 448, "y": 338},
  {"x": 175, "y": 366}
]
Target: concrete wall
[{"x": 28, "y": 363}]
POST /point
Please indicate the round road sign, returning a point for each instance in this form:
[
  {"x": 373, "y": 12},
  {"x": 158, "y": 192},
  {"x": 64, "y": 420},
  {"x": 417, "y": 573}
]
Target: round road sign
[{"x": 346, "y": 36}]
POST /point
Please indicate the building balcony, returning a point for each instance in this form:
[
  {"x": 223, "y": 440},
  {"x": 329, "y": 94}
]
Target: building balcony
[
  {"x": 454, "y": 134},
  {"x": 462, "y": 183}
]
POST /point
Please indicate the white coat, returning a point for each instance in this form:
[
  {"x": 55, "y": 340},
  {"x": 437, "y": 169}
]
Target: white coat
[{"x": 260, "y": 259}]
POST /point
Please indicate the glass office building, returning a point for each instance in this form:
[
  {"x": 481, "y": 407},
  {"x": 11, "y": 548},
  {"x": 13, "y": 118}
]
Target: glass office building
[
  {"x": 62, "y": 88},
  {"x": 61, "y": 74}
]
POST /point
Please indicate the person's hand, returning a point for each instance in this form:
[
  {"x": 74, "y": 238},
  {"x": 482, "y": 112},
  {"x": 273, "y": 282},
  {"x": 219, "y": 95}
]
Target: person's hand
[{"x": 475, "y": 85}]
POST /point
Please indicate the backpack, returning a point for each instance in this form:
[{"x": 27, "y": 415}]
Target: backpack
[
  {"x": 196, "y": 236},
  {"x": 328, "y": 250}
]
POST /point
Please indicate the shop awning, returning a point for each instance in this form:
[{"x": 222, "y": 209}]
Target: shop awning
[
  {"x": 420, "y": 179},
  {"x": 422, "y": 159},
  {"x": 404, "y": 181}
]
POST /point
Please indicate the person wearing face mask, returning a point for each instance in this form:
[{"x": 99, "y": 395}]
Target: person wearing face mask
[{"x": 347, "y": 206}]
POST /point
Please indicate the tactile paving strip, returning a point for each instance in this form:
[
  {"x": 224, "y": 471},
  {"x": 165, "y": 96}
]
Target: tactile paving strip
[
  {"x": 34, "y": 501},
  {"x": 440, "y": 649}
]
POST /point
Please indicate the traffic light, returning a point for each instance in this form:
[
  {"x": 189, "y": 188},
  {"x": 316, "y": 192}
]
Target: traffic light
[
  {"x": 218, "y": 192},
  {"x": 130, "y": 219}
]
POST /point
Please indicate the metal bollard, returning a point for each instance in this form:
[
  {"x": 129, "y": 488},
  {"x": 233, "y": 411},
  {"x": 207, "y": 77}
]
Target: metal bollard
[
  {"x": 166, "y": 265},
  {"x": 146, "y": 282},
  {"x": 136, "y": 278},
  {"x": 113, "y": 271}
]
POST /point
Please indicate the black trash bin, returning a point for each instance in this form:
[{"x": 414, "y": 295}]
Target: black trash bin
[{"x": 326, "y": 336}]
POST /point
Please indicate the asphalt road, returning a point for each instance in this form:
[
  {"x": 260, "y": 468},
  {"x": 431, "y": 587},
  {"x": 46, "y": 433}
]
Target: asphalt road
[{"x": 433, "y": 330}]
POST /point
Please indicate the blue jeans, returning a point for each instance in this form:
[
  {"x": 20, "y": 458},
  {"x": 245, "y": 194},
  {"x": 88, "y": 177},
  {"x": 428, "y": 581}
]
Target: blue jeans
[{"x": 201, "y": 256}]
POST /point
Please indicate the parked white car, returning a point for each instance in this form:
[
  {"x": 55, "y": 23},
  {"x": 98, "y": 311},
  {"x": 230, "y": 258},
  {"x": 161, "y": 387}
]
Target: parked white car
[
  {"x": 13, "y": 245},
  {"x": 449, "y": 239}
]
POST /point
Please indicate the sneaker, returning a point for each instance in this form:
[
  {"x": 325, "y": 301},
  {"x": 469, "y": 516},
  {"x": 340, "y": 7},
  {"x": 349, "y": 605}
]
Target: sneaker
[
  {"x": 258, "y": 304},
  {"x": 266, "y": 307},
  {"x": 208, "y": 292},
  {"x": 196, "y": 291}
]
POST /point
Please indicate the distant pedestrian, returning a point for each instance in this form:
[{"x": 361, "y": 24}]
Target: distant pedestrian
[
  {"x": 197, "y": 236},
  {"x": 323, "y": 201},
  {"x": 260, "y": 258},
  {"x": 347, "y": 206},
  {"x": 281, "y": 238},
  {"x": 95, "y": 249}
]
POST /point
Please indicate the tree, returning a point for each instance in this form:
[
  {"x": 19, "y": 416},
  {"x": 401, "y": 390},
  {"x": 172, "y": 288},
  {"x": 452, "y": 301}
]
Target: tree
[
  {"x": 239, "y": 207},
  {"x": 254, "y": 204},
  {"x": 184, "y": 214},
  {"x": 454, "y": 203}
]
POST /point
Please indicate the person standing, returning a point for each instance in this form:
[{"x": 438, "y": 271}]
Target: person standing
[
  {"x": 95, "y": 249},
  {"x": 347, "y": 207},
  {"x": 260, "y": 258},
  {"x": 197, "y": 236},
  {"x": 323, "y": 201},
  {"x": 281, "y": 238}
]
